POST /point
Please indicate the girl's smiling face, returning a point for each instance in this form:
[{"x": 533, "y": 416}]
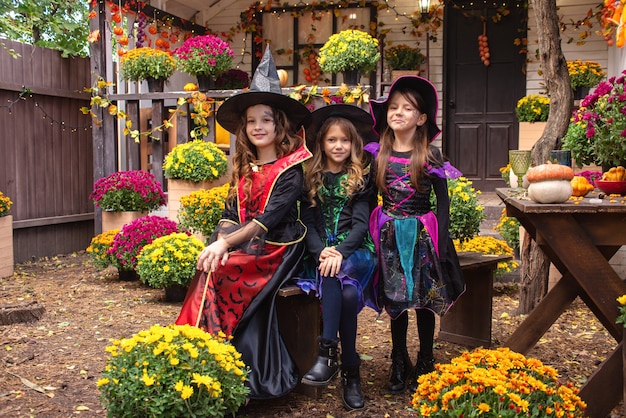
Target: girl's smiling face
[
  {"x": 260, "y": 126},
  {"x": 337, "y": 148},
  {"x": 402, "y": 115}
]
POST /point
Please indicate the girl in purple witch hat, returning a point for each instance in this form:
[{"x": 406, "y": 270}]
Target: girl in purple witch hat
[{"x": 418, "y": 266}]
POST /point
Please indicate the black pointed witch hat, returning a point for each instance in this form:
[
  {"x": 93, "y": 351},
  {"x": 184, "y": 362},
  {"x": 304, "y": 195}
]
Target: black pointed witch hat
[{"x": 264, "y": 89}]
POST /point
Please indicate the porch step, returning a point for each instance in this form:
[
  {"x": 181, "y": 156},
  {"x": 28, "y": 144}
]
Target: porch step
[{"x": 492, "y": 209}]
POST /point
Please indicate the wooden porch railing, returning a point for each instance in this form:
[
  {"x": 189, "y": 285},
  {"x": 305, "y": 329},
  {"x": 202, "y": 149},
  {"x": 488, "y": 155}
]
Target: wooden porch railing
[{"x": 155, "y": 102}]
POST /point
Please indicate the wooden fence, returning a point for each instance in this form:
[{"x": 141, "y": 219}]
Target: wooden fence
[{"x": 46, "y": 152}]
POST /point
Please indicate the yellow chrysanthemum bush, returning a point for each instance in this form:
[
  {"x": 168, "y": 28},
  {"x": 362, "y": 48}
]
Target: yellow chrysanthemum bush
[
  {"x": 495, "y": 383},
  {"x": 489, "y": 245},
  {"x": 533, "y": 108},
  {"x": 466, "y": 212},
  {"x": 99, "y": 247},
  {"x": 621, "y": 318},
  {"x": 168, "y": 260},
  {"x": 349, "y": 50},
  {"x": 5, "y": 204},
  {"x": 172, "y": 371},
  {"x": 195, "y": 161},
  {"x": 508, "y": 228},
  {"x": 585, "y": 73},
  {"x": 143, "y": 63},
  {"x": 201, "y": 210}
]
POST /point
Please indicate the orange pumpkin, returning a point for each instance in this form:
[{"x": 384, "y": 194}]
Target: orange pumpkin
[{"x": 549, "y": 171}]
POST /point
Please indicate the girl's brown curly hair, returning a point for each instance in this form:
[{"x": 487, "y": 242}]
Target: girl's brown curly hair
[
  {"x": 286, "y": 142},
  {"x": 353, "y": 165}
]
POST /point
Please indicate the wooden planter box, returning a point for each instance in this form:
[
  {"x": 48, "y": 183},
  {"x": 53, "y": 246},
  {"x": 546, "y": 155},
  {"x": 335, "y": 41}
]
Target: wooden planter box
[
  {"x": 7, "y": 263},
  {"x": 529, "y": 133},
  {"x": 179, "y": 188},
  {"x": 399, "y": 73},
  {"x": 116, "y": 220}
]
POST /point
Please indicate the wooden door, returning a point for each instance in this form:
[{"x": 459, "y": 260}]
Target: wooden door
[{"x": 479, "y": 101}]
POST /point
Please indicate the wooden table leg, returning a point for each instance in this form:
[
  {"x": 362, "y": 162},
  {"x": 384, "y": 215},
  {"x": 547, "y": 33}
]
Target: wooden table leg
[
  {"x": 599, "y": 282},
  {"x": 604, "y": 389},
  {"x": 544, "y": 315}
]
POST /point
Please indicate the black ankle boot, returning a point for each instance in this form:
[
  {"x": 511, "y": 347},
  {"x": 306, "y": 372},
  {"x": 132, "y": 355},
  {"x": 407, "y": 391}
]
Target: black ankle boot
[
  {"x": 400, "y": 370},
  {"x": 352, "y": 395},
  {"x": 325, "y": 368},
  {"x": 424, "y": 365}
]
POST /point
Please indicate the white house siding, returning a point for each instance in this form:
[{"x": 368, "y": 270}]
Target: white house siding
[
  {"x": 613, "y": 60},
  {"x": 595, "y": 47}
]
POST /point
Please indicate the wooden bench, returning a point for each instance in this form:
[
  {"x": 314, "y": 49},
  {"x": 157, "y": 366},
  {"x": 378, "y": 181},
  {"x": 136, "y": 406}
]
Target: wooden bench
[
  {"x": 468, "y": 322},
  {"x": 300, "y": 324}
]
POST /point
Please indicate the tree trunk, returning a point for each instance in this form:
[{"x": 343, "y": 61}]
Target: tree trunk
[
  {"x": 534, "y": 271},
  {"x": 534, "y": 268}
]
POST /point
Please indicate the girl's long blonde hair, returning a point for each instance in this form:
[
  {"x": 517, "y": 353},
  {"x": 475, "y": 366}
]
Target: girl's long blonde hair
[
  {"x": 421, "y": 153},
  {"x": 353, "y": 165},
  {"x": 286, "y": 142}
]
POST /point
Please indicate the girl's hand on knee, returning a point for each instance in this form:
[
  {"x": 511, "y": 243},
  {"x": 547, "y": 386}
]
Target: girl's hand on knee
[
  {"x": 212, "y": 256},
  {"x": 331, "y": 265}
]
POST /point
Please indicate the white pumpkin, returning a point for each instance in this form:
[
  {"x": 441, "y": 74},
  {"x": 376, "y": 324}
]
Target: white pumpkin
[{"x": 550, "y": 191}]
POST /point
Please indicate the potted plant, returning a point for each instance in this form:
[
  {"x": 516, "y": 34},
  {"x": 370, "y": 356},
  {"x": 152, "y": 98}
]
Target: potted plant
[
  {"x": 584, "y": 75},
  {"x": 233, "y": 79},
  {"x": 532, "y": 112},
  {"x": 349, "y": 51},
  {"x": 404, "y": 60},
  {"x": 466, "y": 213},
  {"x": 99, "y": 247},
  {"x": 201, "y": 210},
  {"x": 169, "y": 262},
  {"x": 206, "y": 57},
  {"x": 173, "y": 371},
  {"x": 6, "y": 237},
  {"x": 152, "y": 65},
  {"x": 596, "y": 131},
  {"x": 126, "y": 195},
  {"x": 192, "y": 166},
  {"x": 495, "y": 382},
  {"x": 129, "y": 241}
]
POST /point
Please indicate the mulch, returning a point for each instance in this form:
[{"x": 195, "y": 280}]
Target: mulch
[{"x": 50, "y": 366}]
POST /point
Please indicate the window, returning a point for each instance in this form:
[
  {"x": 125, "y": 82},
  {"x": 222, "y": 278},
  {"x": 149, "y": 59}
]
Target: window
[{"x": 297, "y": 33}]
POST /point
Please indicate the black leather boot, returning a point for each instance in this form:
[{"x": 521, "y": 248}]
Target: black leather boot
[
  {"x": 400, "y": 370},
  {"x": 326, "y": 367},
  {"x": 424, "y": 365},
  {"x": 352, "y": 395}
]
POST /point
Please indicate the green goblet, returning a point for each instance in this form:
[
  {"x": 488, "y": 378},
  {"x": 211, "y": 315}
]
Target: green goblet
[{"x": 520, "y": 162}]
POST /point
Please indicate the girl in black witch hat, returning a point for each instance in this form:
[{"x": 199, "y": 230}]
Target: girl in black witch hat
[
  {"x": 258, "y": 243},
  {"x": 418, "y": 266},
  {"x": 341, "y": 198}
]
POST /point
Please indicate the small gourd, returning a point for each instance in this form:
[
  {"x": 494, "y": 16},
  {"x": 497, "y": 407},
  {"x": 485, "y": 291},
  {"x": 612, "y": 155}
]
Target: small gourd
[
  {"x": 580, "y": 186},
  {"x": 550, "y": 183},
  {"x": 283, "y": 76}
]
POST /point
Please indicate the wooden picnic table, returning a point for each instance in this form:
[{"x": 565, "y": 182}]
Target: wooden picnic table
[{"x": 579, "y": 239}]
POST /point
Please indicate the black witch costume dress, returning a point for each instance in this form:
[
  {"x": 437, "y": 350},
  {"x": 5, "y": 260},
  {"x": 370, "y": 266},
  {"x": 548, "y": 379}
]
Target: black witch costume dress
[
  {"x": 238, "y": 298},
  {"x": 406, "y": 233}
]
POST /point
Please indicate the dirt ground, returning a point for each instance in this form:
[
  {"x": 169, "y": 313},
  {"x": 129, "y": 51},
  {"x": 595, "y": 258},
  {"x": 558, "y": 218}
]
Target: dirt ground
[{"x": 50, "y": 367}]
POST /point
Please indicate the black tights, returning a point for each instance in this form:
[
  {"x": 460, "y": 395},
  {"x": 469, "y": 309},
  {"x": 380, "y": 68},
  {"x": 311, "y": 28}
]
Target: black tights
[
  {"x": 425, "y": 330},
  {"x": 339, "y": 314}
]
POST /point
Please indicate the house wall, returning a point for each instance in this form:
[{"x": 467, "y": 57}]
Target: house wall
[{"x": 595, "y": 47}]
